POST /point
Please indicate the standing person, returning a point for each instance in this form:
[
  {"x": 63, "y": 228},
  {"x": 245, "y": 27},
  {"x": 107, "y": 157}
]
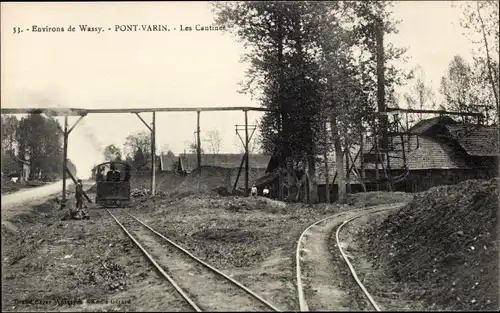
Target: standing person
[
  {"x": 254, "y": 191},
  {"x": 79, "y": 199},
  {"x": 265, "y": 192}
]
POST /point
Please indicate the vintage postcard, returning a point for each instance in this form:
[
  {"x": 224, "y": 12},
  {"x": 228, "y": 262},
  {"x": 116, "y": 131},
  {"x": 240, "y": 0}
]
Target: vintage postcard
[{"x": 250, "y": 155}]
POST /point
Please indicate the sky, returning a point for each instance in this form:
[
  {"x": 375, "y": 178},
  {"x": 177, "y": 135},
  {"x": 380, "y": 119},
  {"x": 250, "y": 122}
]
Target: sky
[{"x": 164, "y": 69}]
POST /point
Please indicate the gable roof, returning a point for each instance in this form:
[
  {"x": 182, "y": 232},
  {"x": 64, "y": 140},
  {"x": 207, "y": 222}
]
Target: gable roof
[
  {"x": 167, "y": 162},
  {"x": 424, "y": 125},
  {"x": 229, "y": 160},
  {"x": 425, "y": 153},
  {"x": 476, "y": 140}
]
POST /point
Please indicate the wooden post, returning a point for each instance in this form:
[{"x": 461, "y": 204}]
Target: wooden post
[
  {"x": 361, "y": 161},
  {"x": 381, "y": 93},
  {"x": 347, "y": 175},
  {"x": 327, "y": 176},
  {"x": 246, "y": 153},
  {"x": 238, "y": 176},
  {"x": 381, "y": 84},
  {"x": 65, "y": 160},
  {"x": 153, "y": 155},
  {"x": 198, "y": 148}
]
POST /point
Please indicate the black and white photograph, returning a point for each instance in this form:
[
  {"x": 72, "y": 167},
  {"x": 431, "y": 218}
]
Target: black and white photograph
[{"x": 190, "y": 156}]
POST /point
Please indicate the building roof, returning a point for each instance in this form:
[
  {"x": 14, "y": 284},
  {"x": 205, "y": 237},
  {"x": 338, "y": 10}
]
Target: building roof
[
  {"x": 424, "y": 125},
  {"x": 425, "y": 153},
  {"x": 230, "y": 160},
  {"x": 476, "y": 140},
  {"x": 167, "y": 162}
]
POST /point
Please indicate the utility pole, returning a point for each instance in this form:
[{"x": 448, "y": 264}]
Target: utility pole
[
  {"x": 65, "y": 160},
  {"x": 246, "y": 153},
  {"x": 198, "y": 148},
  {"x": 153, "y": 155}
]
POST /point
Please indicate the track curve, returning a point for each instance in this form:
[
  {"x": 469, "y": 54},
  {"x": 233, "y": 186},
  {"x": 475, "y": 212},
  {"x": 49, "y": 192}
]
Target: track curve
[{"x": 365, "y": 211}]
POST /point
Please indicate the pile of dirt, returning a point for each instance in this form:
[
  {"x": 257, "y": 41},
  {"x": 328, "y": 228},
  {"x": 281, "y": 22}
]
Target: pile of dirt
[
  {"x": 165, "y": 181},
  {"x": 206, "y": 180},
  {"x": 373, "y": 198},
  {"x": 219, "y": 180},
  {"x": 445, "y": 244}
]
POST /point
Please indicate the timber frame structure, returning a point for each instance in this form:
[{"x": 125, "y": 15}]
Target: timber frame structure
[
  {"x": 81, "y": 113},
  {"x": 381, "y": 146}
]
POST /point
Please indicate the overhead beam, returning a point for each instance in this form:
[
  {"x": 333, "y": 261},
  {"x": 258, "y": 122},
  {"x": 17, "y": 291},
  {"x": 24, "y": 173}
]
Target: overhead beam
[
  {"x": 397, "y": 110},
  {"x": 47, "y": 111},
  {"x": 76, "y": 112}
]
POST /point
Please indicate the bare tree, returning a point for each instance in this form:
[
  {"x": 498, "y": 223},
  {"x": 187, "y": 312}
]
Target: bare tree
[
  {"x": 420, "y": 96},
  {"x": 214, "y": 140}
]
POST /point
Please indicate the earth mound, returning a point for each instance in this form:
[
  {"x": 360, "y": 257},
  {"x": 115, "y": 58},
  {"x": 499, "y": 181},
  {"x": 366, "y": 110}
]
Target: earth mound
[
  {"x": 445, "y": 244},
  {"x": 207, "y": 180}
]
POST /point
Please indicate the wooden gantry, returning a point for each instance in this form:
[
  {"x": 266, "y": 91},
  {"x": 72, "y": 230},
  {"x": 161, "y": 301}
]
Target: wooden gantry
[{"x": 152, "y": 128}]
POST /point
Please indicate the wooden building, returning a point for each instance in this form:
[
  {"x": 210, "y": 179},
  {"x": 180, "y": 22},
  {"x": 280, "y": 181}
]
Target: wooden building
[{"x": 439, "y": 151}]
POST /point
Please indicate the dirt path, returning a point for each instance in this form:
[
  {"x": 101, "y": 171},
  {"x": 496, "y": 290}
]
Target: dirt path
[
  {"x": 21, "y": 201},
  {"x": 326, "y": 280},
  {"x": 328, "y": 284}
]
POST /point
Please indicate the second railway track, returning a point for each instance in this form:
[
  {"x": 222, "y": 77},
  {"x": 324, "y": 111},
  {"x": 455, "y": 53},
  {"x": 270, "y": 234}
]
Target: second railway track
[
  {"x": 346, "y": 218},
  {"x": 202, "y": 286}
]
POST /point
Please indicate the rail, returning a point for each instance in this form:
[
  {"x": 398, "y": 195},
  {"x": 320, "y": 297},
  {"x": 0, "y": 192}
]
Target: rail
[{"x": 186, "y": 252}]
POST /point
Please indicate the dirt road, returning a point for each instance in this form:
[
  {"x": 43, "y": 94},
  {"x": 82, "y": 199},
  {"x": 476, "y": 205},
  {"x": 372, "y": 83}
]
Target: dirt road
[
  {"x": 13, "y": 203},
  {"x": 32, "y": 194}
]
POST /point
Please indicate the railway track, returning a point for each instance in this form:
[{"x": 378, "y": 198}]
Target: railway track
[
  {"x": 201, "y": 286},
  {"x": 350, "y": 215}
]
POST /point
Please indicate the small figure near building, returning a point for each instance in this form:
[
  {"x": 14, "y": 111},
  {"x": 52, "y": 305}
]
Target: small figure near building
[
  {"x": 79, "y": 214},
  {"x": 265, "y": 192},
  {"x": 254, "y": 191}
]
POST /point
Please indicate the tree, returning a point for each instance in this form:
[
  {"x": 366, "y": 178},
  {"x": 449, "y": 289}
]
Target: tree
[
  {"x": 112, "y": 153},
  {"x": 9, "y": 144},
  {"x": 420, "y": 96},
  {"x": 193, "y": 148},
  {"x": 302, "y": 63},
  {"x": 279, "y": 36},
  {"x": 462, "y": 90},
  {"x": 214, "y": 140},
  {"x": 40, "y": 138},
  {"x": 138, "y": 148},
  {"x": 9, "y": 130},
  {"x": 139, "y": 159},
  {"x": 481, "y": 20}
]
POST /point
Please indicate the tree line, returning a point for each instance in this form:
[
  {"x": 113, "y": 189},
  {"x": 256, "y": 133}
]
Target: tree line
[
  {"x": 325, "y": 67},
  {"x": 37, "y": 139}
]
